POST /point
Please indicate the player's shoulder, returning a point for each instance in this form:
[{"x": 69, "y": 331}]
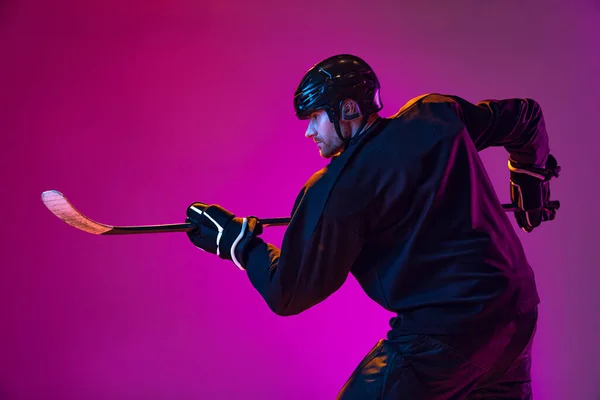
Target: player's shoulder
[
  {"x": 314, "y": 178},
  {"x": 423, "y": 100}
]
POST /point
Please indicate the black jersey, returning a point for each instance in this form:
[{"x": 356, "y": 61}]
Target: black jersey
[{"x": 409, "y": 210}]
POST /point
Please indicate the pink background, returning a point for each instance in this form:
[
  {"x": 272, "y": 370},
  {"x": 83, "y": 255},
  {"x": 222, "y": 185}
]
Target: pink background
[{"x": 135, "y": 109}]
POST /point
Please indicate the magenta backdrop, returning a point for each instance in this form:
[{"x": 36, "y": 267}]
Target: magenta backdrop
[{"x": 136, "y": 109}]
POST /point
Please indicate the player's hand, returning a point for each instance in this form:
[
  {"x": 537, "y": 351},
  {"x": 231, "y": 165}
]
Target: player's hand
[
  {"x": 530, "y": 193},
  {"x": 220, "y": 232}
]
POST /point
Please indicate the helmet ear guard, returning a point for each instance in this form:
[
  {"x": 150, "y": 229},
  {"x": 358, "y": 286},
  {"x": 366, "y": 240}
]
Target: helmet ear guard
[{"x": 348, "y": 117}]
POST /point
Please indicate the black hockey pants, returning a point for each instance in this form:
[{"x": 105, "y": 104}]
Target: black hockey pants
[{"x": 492, "y": 364}]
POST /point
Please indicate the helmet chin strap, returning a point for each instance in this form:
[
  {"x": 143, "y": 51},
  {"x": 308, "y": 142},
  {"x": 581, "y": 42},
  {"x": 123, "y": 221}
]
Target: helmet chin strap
[
  {"x": 338, "y": 129},
  {"x": 346, "y": 141}
]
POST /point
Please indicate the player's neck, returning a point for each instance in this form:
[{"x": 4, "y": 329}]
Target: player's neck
[{"x": 370, "y": 122}]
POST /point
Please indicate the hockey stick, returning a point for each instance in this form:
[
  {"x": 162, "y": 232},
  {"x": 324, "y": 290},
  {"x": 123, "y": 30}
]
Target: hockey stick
[{"x": 60, "y": 206}]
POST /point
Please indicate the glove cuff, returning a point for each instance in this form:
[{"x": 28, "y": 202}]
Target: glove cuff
[
  {"x": 235, "y": 237},
  {"x": 550, "y": 171}
]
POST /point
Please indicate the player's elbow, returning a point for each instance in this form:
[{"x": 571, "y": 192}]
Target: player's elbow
[
  {"x": 288, "y": 306},
  {"x": 533, "y": 110},
  {"x": 287, "y": 310}
]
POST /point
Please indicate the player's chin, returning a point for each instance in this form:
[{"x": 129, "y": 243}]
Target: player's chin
[{"x": 327, "y": 152}]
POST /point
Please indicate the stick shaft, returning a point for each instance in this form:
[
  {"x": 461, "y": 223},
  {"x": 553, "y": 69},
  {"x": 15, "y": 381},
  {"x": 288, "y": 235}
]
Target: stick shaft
[{"x": 185, "y": 227}]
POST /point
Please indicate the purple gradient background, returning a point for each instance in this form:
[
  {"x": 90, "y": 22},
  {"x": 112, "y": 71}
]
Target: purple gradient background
[{"x": 136, "y": 109}]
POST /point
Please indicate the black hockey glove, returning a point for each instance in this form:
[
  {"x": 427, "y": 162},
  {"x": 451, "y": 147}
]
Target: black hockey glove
[
  {"x": 220, "y": 232},
  {"x": 530, "y": 193}
]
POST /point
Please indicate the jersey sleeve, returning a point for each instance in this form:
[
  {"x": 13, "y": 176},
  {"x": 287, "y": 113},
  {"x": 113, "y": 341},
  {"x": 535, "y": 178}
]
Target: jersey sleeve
[
  {"x": 314, "y": 261},
  {"x": 517, "y": 124}
]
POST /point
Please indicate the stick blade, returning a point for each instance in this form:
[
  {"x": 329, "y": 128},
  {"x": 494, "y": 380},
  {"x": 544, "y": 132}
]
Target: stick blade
[{"x": 60, "y": 206}]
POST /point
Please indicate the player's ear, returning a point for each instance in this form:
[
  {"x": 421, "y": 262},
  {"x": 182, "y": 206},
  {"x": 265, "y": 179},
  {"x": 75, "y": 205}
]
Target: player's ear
[{"x": 350, "y": 110}]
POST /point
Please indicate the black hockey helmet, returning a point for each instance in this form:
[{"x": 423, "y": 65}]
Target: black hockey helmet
[{"x": 327, "y": 84}]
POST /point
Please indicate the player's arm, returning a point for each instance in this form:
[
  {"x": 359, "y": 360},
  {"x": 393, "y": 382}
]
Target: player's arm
[
  {"x": 329, "y": 230},
  {"x": 517, "y": 124},
  {"x": 313, "y": 262}
]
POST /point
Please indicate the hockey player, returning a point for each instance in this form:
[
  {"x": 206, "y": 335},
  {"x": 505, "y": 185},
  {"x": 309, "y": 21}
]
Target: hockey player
[{"x": 406, "y": 207}]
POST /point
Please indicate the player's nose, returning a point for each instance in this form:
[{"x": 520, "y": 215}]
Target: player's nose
[{"x": 310, "y": 132}]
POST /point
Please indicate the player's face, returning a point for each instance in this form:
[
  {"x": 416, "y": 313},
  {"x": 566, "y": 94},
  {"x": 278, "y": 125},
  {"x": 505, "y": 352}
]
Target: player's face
[{"x": 322, "y": 131}]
